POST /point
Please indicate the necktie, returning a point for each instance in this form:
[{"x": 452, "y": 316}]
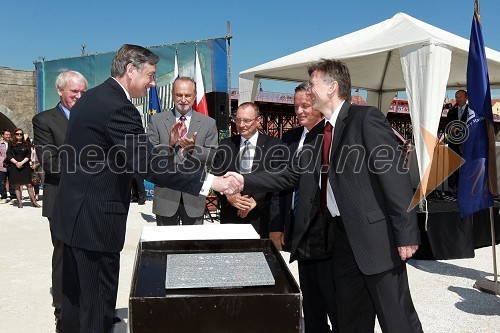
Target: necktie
[
  {"x": 245, "y": 162},
  {"x": 295, "y": 198},
  {"x": 183, "y": 126},
  {"x": 325, "y": 163}
]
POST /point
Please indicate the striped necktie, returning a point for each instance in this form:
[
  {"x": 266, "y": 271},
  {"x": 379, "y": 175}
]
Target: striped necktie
[{"x": 245, "y": 162}]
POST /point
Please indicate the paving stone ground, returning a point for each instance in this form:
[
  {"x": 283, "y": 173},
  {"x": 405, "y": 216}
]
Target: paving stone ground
[{"x": 442, "y": 291}]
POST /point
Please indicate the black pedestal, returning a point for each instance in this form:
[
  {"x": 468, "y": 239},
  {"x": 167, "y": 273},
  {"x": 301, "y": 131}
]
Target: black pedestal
[{"x": 261, "y": 309}]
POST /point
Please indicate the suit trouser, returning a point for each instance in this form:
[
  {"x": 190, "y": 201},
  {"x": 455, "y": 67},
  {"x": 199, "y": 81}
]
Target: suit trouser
[
  {"x": 138, "y": 190},
  {"x": 57, "y": 260},
  {"x": 175, "y": 220},
  {"x": 318, "y": 295},
  {"x": 3, "y": 186},
  {"x": 180, "y": 215},
  {"x": 90, "y": 285},
  {"x": 360, "y": 297}
]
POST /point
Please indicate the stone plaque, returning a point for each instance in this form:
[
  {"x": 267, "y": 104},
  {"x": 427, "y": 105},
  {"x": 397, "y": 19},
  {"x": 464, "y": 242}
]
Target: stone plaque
[{"x": 217, "y": 270}]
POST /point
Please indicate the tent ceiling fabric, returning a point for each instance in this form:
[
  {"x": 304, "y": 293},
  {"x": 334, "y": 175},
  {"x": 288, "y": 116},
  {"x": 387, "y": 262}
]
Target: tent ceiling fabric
[
  {"x": 365, "y": 53},
  {"x": 434, "y": 59}
]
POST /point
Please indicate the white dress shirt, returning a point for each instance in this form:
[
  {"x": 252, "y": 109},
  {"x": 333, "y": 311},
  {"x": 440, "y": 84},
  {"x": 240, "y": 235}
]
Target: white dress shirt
[
  {"x": 331, "y": 203},
  {"x": 251, "y": 147},
  {"x": 187, "y": 117}
]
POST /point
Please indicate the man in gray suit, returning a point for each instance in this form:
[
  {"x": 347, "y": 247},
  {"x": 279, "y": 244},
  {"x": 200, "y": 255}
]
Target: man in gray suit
[
  {"x": 49, "y": 129},
  {"x": 198, "y": 140}
]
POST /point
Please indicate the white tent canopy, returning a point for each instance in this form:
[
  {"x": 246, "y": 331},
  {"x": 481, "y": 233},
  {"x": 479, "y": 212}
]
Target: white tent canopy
[{"x": 401, "y": 53}]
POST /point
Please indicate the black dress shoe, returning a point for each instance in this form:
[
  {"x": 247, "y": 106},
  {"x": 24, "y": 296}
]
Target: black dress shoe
[
  {"x": 116, "y": 320},
  {"x": 141, "y": 203}
]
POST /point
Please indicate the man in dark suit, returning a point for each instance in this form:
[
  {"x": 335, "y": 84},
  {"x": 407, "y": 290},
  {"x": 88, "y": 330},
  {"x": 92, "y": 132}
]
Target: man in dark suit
[
  {"x": 456, "y": 122},
  {"x": 365, "y": 195},
  {"x": 199, "y": 141},
  {"x": 138, "y": 190},
  {"x": 315, "y": 272},
  {"x": 105, "y": 144},
  {"x": 250, "y": 151},
  {"x": 49, "y": 129}
]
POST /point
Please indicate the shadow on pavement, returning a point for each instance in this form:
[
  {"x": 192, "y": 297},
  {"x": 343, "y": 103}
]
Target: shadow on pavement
[{"x": 148, "y": 217}]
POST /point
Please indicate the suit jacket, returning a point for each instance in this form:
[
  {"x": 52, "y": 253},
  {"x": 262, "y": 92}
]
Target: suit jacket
[
  {"x": 227, "y": 159},
  {"x": 49, "y": 129},
  {"x": 105, "y": 144},
  {"x": 281, "y": 205},
  {"x": 166, "y": 201},
  {"x": 282, "y": 214},
  {"x": 372, "y": 195},
  {"x": 453, "y": 116}
]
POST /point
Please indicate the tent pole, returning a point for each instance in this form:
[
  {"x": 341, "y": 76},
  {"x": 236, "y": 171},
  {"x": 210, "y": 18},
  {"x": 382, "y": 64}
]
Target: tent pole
[{"x": 487, "y": 286}]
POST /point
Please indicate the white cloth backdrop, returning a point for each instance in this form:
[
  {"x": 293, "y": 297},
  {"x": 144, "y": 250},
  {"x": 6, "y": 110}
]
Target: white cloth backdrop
[{"x": 422, "y": 65}]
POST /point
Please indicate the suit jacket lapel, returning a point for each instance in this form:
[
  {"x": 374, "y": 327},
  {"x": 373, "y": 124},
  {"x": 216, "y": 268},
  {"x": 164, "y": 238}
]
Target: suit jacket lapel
[
  {"x": 465, "y": 113},
  {"x": 295, "y": 141},
  {"x": 169, "y": 120},
  {"x": 60, "y": 118},
  {"x": 194, "y": 124},
  {"x": 315, "y": 139},
  {"x": 257, "y": 158},
  {"x": 339, "y": 128},
  {"x": 235, "y": 147},
  {"x": 116, "y": 86}
]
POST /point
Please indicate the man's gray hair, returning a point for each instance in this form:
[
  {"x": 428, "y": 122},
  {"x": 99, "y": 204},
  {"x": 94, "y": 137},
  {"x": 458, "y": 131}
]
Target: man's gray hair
[{"x": 132, "y": 54}]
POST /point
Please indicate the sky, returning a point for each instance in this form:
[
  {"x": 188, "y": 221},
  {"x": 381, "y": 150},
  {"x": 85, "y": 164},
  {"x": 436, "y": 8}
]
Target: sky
[{"x": 262, "y": 30}]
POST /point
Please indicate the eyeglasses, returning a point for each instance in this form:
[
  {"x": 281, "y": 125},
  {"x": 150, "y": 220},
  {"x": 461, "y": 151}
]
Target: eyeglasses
[
  {"x": 244, "y": 121},
  {"x": 19, "y": 134}
]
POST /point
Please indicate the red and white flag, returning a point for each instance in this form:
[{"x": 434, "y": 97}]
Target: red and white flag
[{"x": 201, "y": 99}]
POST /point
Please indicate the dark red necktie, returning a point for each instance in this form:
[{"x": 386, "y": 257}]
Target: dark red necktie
[
  {"x": 325, "y": 163},
  {"x": 183, "y": 126}
]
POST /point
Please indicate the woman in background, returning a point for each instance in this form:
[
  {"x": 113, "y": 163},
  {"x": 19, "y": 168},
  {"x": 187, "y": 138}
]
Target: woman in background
[{"x": 19, "y": 154}]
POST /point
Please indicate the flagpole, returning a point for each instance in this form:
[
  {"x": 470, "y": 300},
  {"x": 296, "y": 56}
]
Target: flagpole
[
  {"x": 479, "y": 147},
  {"x": 229, "y": 88},
  {"x": 487, "y": 286}
]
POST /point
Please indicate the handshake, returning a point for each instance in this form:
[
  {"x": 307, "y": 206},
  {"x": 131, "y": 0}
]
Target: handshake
[{"x": 229, "y": 184}]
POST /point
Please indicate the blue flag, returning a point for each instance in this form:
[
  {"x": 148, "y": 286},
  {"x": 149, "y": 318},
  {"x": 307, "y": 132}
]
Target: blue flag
[
  {"x": 154, "y": 103},
  {"x": 477, "y": 182}
]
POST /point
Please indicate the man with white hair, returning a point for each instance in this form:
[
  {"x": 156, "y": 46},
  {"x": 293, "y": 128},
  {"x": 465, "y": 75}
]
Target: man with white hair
[{"x": 49, "y": 129}]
